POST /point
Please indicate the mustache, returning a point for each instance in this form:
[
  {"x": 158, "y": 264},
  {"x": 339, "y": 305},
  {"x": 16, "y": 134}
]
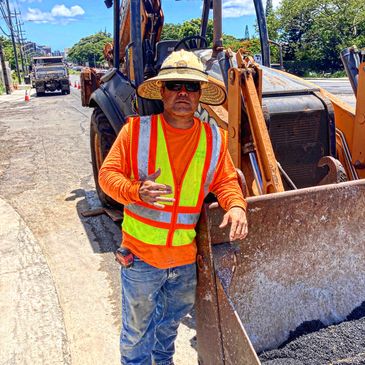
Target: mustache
[{"x": 185, "y": 100}]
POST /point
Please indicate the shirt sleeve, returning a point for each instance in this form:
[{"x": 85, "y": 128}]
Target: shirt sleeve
[
  {"x": 115, "y": 171},
  {"x": 225, "y": 184}
]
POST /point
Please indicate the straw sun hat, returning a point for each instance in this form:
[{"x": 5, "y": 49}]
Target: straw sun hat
[{"x": 185, "y": 66}]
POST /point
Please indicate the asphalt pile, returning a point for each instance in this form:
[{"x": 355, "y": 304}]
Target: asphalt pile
[{"x": 314, "y": 344}]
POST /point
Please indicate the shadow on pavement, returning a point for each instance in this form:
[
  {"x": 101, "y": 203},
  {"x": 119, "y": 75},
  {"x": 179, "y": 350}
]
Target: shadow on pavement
[
  {"x": 47, "y": 94},
  {"x": 104, "y": 235}
]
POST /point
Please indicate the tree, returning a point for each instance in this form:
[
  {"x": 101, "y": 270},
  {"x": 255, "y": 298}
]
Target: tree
[
  {"x": 188, "y": 28},
  {"x": 247, "y": 33},
  {"x": 90, "y": 49},
  {"x": 170, "y": 31},
  {"x": 8, "y": 50},
  {"x": 317, "y": 30},
  {"x": 269, "y": 7},
  {"x": 192, "y": 27}
]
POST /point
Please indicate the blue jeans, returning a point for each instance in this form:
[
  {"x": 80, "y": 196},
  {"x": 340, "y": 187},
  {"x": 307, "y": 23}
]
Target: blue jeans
[{"x": 154, "y": 301}]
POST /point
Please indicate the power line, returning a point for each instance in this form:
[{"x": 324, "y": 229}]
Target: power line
[
  {"x": 13, "y": 40},
  {"x": 2, "y": 30}
]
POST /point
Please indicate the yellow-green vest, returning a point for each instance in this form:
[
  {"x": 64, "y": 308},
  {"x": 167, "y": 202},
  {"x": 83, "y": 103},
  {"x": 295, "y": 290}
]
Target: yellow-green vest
[{"x": 174, "y": 225}]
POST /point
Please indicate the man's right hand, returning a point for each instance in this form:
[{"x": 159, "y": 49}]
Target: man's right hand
[{"x": 151, "y": 192}]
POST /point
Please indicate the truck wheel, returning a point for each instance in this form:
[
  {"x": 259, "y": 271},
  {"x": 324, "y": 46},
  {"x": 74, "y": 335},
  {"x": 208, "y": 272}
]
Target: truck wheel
[{"x": 102, "y": 137}]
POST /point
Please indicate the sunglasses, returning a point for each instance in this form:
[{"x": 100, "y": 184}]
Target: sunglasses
[{"x": 190, "y": 86}]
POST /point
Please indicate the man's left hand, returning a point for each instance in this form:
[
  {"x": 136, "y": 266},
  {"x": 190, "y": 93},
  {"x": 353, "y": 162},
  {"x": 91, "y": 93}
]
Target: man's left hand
[{"x": 237, "y": 217}]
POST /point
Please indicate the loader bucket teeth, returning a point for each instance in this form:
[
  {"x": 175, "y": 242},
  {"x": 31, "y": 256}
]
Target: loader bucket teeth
[{"x": 303, "y": 260}]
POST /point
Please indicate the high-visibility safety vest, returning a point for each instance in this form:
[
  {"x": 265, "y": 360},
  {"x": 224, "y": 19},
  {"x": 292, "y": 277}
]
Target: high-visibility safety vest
[{"x": 174, "y": 225}]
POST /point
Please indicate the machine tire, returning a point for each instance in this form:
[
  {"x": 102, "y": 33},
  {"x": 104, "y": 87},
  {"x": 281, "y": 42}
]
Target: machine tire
[
  {"x": 40, "y": 93},
  {"x": 102, "y": 137}
]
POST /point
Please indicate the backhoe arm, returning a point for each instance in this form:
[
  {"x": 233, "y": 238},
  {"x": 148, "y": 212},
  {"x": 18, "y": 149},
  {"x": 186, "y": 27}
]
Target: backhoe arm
[
  {"x": 242, "y": 88},
  {"x": 151, "y": 23}
]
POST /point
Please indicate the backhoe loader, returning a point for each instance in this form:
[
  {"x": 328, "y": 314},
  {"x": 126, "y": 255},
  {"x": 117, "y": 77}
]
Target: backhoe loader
[{"x": 300, "y": 153}]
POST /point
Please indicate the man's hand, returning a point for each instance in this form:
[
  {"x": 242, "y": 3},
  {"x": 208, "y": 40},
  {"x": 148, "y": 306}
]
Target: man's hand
[
  {"x": 150, "y": 191},
  {"x": 237, "y": 217}
]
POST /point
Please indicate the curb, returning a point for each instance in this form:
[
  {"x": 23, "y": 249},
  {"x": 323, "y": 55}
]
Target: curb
[{"x": 32, "y": 328}]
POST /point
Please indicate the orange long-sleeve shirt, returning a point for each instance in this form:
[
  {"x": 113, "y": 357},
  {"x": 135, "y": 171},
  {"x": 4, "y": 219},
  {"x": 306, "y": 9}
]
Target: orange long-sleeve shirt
[{"x": 114, "y": 179}]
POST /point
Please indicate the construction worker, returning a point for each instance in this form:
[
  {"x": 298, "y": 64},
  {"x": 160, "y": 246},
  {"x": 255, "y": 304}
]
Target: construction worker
[{"x": 161, "y": 167}]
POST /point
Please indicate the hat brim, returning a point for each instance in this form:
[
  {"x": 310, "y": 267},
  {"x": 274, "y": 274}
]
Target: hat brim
[{"x": 211, "y": 93}]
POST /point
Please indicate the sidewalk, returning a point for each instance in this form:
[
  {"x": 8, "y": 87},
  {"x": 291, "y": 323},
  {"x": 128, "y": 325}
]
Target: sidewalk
[{"x": 32, "y": 329}]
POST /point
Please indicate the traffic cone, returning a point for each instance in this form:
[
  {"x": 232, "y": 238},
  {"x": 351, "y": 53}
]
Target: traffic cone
[
  {"x": 26, "y": 97},
  {"x": 79, "y": 86},
  {"x": 75, "y": 85}
]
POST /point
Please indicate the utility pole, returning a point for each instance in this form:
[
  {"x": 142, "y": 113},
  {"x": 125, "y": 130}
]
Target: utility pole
[
  {"x": 26, "y": 60},
  {"x": 19, "y": 41},
  {"x": 13, "y": 41},
  {"x": 3, "y": 66}
]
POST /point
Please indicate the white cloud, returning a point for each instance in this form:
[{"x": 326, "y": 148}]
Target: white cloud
[
  {"x": 38, "y": 16},
  {"x": 237, "y": 8},
  {"x": 60, "y": 14},
  {"x": 62, "y": 10}
]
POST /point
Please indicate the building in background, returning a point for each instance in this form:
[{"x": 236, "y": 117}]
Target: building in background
[
  {"x": 46, "y": 50},
  {"x": 32, "y": 49}
]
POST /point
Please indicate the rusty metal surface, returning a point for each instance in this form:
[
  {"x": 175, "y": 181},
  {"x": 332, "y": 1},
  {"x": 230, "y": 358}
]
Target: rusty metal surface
[
  {"x": 336, "y": 171},
  {"x": 303, "y": 260},
  {"x": 209, "y": 340},
  {"x": 237, "y": 347},
  {"x": 90, "y": 81}
]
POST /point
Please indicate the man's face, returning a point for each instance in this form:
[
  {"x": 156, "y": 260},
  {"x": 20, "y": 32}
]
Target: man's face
[{"x": 180, "y": 98}]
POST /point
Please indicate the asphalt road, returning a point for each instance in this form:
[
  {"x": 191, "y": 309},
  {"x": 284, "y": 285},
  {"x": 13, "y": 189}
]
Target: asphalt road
[{"x": 59, "y": 283}]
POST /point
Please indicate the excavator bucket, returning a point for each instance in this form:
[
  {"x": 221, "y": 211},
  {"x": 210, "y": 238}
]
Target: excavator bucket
[{"x": 303, "y": 260}]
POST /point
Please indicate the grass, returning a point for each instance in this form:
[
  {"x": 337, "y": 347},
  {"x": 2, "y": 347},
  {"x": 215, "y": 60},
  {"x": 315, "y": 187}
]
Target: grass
[
  {"x": 313, "y": 74},
  {"x": 73, "y": 72}
]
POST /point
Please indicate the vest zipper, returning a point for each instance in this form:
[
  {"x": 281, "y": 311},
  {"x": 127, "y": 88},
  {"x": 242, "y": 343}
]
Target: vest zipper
[{"x": 170, "y": 235}]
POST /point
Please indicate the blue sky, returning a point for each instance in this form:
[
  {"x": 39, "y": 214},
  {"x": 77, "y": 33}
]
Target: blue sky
[{"x": 61, "y": 23}]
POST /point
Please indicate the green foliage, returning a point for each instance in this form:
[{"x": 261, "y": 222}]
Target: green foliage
[
  {"x": 317, "y": 30},
  {"x": 171, "y": 31},
  {"x": 251, "y": 46},
  {"x": 90, "y": 49},
  {"x": 269, "y": 8},
  {"x": 73, "y": 72},
  {"x": 188, "y": 28},
  {"x": 2, "y": 88},
  {"x": 247, "y": 33},
  {"x": 192, "y": 27},
  {"x": 8, "y": 51}
]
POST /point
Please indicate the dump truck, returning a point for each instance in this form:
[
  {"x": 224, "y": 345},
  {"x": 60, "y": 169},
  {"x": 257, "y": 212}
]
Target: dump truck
[
  {"x": 49, "y": 74},
  {"x": 300, "y": 155}
]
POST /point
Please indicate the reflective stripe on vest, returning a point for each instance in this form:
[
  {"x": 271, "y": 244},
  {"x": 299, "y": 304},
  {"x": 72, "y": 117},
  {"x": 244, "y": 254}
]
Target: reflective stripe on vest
[{"x": 173, "y": 225}]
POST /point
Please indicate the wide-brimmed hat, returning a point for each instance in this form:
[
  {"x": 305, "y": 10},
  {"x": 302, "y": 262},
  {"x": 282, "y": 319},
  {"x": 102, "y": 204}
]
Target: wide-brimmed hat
[{"x": 183, "y": 66}]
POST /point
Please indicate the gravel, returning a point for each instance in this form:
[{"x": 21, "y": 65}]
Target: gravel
[{"x": 314, "y": 344}]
